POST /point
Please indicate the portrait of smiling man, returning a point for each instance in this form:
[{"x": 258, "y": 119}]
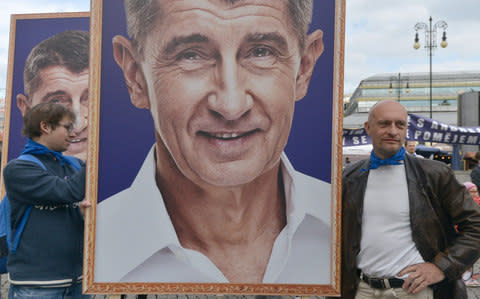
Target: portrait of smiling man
[
  {"x": 56, "y": 70},
  {"x": 216, "y": 199}
]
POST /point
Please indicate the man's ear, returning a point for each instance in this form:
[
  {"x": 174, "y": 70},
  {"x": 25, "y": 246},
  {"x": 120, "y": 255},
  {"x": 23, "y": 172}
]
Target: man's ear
[
  {"x": 45, "y": 127},
  {"x": 22, "y": 103},
  {"x": 313, "y": 50},
  {"x": 126, "y": 58},
  {"x": 366, "y": 126}
]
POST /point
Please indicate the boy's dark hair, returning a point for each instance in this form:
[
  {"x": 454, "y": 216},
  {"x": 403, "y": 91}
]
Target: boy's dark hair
[
  {"x": 477, "y": 156},
  {"x": 51, "y": 113}
]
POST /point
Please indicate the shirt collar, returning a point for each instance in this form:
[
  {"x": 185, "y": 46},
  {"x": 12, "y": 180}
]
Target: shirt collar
[{"x": 299, "y": 200}]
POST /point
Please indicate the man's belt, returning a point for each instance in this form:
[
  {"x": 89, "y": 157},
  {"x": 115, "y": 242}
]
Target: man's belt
[{"x": 382, "y": 283}]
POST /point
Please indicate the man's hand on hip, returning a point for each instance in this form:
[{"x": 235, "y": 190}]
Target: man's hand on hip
[{"x": 421, "y": 276}]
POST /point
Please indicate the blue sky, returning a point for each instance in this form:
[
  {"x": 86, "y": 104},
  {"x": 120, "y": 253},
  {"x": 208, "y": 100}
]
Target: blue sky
[{"x": 379, "y": 35}]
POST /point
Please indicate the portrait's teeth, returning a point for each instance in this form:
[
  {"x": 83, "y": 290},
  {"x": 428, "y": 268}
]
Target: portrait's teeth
[
  {"x": 77, "y": 140},
  {"x": 226, "y": 135},
  {"x": 233, "y": 135}
]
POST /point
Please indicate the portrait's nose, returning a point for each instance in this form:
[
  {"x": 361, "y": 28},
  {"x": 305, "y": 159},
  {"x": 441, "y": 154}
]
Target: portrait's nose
[
  {"x": 81, "y": 111},
  {"x": 231, "y": 99},
  {"x": 71, "y": 134}
]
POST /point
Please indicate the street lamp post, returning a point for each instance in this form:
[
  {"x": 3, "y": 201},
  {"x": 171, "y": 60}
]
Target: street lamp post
[
  {"x": 431, "y": 43},
  {"x": 399, "y": 86}
]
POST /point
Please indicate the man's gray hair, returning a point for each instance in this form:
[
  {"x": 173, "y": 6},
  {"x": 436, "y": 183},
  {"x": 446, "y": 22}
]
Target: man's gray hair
[
  {"x": 141, "y": 16},
  {"x": 68, "y": 49}
]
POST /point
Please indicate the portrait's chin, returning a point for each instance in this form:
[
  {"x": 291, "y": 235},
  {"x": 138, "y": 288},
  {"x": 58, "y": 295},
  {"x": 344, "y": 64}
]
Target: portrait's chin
[
  {"x": 78, "y": 150},
  {"x": 231, "y": 174},
  {"x": 228, "y": 180},
  {"x": 235, "y": 162}
]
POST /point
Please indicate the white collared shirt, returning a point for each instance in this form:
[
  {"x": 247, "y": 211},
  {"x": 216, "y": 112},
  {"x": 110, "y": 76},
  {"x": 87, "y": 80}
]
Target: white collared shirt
[{"x": 136, "y": 240}]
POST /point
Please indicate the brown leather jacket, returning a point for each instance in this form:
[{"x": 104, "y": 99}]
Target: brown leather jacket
[{"x": 437, "y": 202}]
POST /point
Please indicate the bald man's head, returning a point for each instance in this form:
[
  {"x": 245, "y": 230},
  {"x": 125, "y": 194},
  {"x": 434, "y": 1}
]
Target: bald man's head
[{"x": 387, "y": 127}]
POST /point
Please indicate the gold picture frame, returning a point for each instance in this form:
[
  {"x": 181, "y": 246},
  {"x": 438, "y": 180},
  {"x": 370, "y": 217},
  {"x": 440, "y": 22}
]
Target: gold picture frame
[{"x": 105, "y": 117}]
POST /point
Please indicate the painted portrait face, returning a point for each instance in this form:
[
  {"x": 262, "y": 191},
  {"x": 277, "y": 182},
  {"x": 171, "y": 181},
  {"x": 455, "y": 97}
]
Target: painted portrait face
[
  {"x": 387, "y": 126},
  {"x": 221, "y": 83},
  {"x": 58, "y": 84}
]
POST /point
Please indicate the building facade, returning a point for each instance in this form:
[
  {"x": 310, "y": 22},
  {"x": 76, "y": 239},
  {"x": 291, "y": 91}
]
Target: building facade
[{"x": 413, "y": 91}]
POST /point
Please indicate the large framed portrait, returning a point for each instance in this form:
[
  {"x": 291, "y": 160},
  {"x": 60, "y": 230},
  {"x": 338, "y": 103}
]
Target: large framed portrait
[
  {"x": 214, "y": 163},
  {"x": 31, "y": 36}
]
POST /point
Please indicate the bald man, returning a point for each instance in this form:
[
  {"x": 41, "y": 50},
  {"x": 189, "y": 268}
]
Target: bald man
[{"x": 398, "y": 219}]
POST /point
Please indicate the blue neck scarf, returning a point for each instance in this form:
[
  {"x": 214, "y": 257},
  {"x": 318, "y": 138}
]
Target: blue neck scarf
[
  {"x": 36, "y": 148},
  {"x": 376, "y": 162}
]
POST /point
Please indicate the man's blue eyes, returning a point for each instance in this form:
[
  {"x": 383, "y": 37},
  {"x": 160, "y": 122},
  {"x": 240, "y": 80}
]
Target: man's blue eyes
[
  {"x": 190, "y": 56},
  {"x": 256, "y": 52},
  {"x": 262, "y": 52}
]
